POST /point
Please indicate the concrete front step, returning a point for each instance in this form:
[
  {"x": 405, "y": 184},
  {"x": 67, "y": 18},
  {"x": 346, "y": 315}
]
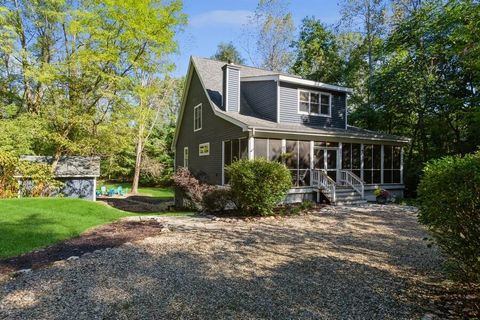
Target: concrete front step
[{"x": 345, "y": 195}]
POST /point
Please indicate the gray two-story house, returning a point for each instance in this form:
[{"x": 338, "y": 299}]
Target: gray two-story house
[{"x": 232, "y": 112}]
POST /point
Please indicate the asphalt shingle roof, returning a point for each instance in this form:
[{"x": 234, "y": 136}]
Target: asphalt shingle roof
[
  {"x": 211, "y": 74},
  {"x": 70, "y": 166}
]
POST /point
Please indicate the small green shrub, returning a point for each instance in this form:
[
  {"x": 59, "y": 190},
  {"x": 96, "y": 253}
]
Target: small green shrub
[
  {"x": 449, "y": 200},
  {"x": 217, "y": 200},
  {"x": 258, "y": 185}
]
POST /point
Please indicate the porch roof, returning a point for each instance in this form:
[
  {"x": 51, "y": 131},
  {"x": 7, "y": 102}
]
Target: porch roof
[{"x": 351, "y": 132}]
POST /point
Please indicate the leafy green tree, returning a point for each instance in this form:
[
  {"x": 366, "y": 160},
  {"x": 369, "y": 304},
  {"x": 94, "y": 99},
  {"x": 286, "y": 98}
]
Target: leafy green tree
[
  {"x": 317, "y": 53},
  {"x": 227, "y": 52},
  {"x": 73, "y": 65}
]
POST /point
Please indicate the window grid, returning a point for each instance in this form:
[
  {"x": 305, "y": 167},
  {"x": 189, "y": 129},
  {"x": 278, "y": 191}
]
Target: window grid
[{"x": 314, "y": 103}]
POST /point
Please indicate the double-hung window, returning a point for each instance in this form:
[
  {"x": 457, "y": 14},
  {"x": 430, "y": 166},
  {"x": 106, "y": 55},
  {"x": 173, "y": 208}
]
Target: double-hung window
[
  {"x": 185, "y": 157},
  {"x": 197, "y": 117},
  {"x": 314, "y": 103}
]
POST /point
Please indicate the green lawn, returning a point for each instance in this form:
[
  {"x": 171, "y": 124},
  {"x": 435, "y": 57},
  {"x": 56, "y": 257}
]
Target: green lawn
[
  {"x": 31, "y": 223},
  {"x": 153, "y": 192}
]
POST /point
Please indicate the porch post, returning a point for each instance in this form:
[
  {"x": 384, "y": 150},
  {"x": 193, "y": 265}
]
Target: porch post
[
  {"x": 339, "y": 160},
  {"x": 401, "y": 165},
  {"x": 251, "y": 144},
  {"x": 312, "y": 156},
  {"x": 223, "y": 163},
  {"x": 361, "y": 161},
  {"x": 284, "y": 146},
  {"x": 312, "y": 163},
  {"x": 381, "y": 163}
]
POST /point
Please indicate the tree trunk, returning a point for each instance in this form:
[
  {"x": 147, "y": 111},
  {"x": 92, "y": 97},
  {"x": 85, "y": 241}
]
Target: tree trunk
[{"x": 138, "y": 159}]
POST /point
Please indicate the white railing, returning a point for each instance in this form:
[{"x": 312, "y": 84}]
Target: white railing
[
  {"x": 352, "y": 180},
  {"x": 321, "y": 180}
]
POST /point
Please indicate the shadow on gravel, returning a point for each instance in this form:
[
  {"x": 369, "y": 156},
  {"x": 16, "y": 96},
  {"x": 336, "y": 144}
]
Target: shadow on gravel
[{"x": 184, "y": 285}]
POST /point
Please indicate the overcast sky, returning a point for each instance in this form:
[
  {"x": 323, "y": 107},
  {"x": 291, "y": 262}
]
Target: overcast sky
[{"x": 210, "y": 22}]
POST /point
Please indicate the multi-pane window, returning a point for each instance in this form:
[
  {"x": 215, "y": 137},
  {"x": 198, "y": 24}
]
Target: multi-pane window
[
  {"x": 185, "y": 157},
  {"x": 197, "y": 117},
  {"x": 372, "y": 155},
  {"x": 314, "y": 103},
  {"x": 351, "y": 157},
  {"x": 391, "y": 164},
  {"x": 204, "y": 149}
]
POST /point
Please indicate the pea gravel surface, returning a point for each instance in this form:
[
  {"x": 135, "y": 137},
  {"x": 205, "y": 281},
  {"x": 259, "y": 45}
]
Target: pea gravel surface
[{"x": 366, "y": 262}]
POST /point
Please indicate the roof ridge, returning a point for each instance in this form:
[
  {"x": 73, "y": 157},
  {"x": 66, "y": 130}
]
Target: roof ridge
[{"x": 251, "y": 67}]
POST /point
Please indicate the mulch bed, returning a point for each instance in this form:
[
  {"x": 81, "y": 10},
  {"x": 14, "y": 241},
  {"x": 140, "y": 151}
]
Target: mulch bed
[
  {"x": 106, "y": 236},
  {"x": 137, "y": 204}
]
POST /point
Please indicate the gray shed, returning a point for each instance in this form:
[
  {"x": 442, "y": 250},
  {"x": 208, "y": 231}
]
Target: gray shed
[{"x": 79, "y": 174}]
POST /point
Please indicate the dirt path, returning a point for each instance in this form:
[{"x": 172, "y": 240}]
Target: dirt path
[{"x": 368, "y": 262}]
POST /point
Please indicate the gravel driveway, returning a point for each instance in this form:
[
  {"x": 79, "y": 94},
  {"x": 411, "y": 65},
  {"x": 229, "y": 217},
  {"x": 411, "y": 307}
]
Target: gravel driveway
[{"x": 369, "y": 262}]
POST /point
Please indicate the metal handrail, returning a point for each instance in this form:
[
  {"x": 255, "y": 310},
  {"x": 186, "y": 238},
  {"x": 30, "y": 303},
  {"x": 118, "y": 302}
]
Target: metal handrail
[{"x": 353, "y": 181}]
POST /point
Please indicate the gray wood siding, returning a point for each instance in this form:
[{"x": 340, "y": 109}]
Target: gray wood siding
[
  {"x": 214, "y": 130},
  {"x": 289, "y": 108},
  {"x": 261, "y": 97},
  {"x": 233, "y": 89}
]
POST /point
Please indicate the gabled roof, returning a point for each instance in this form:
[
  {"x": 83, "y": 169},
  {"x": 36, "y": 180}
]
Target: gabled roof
[
  {"x": 70, "y": 166},
  {"x": 211, "y": 76}
]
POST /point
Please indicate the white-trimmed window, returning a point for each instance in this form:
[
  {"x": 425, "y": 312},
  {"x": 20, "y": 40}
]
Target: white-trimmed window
[
  {"x": 314, "y": 103},
  {"x": 204, "y": 149},
  {"x": 185, "y": 157},
  {"x": 197, "y": 117}
]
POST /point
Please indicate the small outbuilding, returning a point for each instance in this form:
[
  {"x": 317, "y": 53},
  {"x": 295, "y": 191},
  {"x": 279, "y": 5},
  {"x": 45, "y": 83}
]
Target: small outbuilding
[{"x": 78, "y": 174}]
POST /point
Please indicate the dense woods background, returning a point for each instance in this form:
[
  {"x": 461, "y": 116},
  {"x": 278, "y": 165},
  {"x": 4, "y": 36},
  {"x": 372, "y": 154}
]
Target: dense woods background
[{"x": 93, "y": 77}]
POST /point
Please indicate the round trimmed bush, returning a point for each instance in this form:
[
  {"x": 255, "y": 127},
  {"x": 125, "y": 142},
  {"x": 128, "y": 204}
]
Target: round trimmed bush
[
  {"x": 258, "y": 185},
  {"x": 449, "y": 194}
]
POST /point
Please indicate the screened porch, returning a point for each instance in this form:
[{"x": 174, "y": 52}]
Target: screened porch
[{"x": 373, "y": 163}]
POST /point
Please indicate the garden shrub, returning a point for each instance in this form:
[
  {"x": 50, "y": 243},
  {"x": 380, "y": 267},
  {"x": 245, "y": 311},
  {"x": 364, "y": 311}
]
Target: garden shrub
[
  {"x": 218, "y": 200},
  {"x": 449, "y": 201},
  {"x": 191, "y": 188},
  {"x": 39, "y": 180},
  {"x": 258, "y": 185},
  {"x": 8, "y": 167}
]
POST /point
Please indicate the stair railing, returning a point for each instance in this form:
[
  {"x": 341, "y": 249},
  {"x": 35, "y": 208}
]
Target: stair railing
[
  {"x": 321, "y": 180},
  {"x": 352, "y": 180}
]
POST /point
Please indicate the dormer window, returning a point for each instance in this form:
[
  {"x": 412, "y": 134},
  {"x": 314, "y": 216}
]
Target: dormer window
[
  {"x": 197, "y": 117},
  {"x": 314, "y": 103}
]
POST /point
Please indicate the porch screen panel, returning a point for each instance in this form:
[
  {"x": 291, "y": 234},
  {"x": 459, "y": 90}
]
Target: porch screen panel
[
  {"x": 347, "y": 156},
  {"x": 377, "y": 165},
  {"x": 367, "y": 163},
  {"x": 387, "y": 164},
  {"x": 260, "y": 148},
  {"x": 227, "y": 157},
  {"x": 291, "y": 160},
  {"x": 356, "y": 159},
  {"x": 243, "y": 148},
  {"x": 275, "y": 150},
  {"x": 304, "y": 163},
  {"x": 351, "y": 158},
  {"x": 396, "y": 163},
  {"x": 235, "y": 150}
]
